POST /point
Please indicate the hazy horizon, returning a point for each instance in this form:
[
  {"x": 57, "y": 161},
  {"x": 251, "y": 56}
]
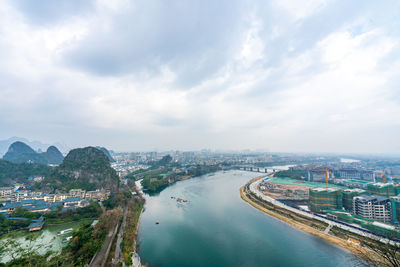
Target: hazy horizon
[{"x": 280, "y": 76}]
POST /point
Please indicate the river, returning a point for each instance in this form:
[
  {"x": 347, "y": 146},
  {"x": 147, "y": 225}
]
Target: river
[{"x": 217, "y": 228}]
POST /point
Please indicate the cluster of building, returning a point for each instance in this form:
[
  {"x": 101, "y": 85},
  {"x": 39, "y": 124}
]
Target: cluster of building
[
  {"x": 316, "y": 175},
  {"x": 15, "y": 194},
  {"x": 379, "y": 202},
  {"x": 42, "y": 202},
  {"x": 40, "y": 205}
]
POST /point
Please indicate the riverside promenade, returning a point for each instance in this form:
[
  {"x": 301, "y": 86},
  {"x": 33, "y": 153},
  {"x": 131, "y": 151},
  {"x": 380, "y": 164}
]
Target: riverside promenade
[{"x": 253, "y": 187}]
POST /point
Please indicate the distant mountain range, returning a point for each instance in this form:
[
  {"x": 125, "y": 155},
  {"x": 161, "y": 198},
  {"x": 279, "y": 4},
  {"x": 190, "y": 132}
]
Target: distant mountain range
[
  {"x": 19, "y": 152},
  {"x": 36, "y": 145}
]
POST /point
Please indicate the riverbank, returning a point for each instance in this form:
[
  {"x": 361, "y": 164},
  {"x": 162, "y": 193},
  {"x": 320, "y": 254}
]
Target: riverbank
[
  {"x": 349, "y": 245},
  {"x": 156, "y": 180},
  {"x": 134, "y": 212},
  {"x": 135, "y": 257}
]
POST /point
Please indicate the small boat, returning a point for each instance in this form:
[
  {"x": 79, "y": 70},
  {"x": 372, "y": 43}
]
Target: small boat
[
  {"x": 181, "y": 200},
  {"x": 66, "y": 231},
  {"x": 67, "y": 239},
  {"x": 157, "y": 223}
]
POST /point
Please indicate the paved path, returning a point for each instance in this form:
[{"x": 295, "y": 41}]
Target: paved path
[
  {"x": 136, "y": 260},
  {"x": 117, "y": 257},
  {"x": 328, "y": 228},
  {"x": 101, "y": 206},
  {"x": 101, "y": 257}
]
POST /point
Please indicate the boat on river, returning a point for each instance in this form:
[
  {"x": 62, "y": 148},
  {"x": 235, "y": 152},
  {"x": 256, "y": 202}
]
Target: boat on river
[
  {"x": 67, "y": 239},
  {"x": 66, "y": 231}
]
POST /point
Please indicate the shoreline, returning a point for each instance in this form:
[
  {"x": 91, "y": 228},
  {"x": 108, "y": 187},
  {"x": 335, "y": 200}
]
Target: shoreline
[
  {"x": 136, "y": 261},
  {"x": 183, "y": 178},
  {"x": 353, "y": 248},
  {"x": 137, "y": 227}
]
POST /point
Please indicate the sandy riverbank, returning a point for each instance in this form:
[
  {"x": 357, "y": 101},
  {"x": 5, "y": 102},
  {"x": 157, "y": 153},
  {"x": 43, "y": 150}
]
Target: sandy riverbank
[{"x": 353, "y": 248}]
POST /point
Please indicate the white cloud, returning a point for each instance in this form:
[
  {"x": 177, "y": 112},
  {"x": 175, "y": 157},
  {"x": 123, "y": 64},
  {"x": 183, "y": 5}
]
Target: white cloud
[
  {"x": 301, "y": 8},
  {"x": 182, "y": 82}
]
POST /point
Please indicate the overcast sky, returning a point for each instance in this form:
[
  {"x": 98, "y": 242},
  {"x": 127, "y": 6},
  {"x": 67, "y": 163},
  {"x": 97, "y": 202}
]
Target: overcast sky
[{"x": 299, "y": 76}]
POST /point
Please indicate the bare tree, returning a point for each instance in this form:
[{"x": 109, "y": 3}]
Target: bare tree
[{"x": 377, "y": 253}]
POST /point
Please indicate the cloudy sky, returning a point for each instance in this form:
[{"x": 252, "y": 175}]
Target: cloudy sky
[{"x": 300, "y": 76}]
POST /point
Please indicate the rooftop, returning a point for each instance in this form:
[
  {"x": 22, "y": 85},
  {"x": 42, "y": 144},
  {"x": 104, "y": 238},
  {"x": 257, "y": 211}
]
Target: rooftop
[
  {"x": 354, "y": 190},
  {"x": 322, "y": 189},
  {"x": 73, "y": 199},
  {"x": 384, "y": 225},
  {"x": 36, "y": 224},
  {"x": 372, "y": 197},
  {"x": 381, "y": 184}
]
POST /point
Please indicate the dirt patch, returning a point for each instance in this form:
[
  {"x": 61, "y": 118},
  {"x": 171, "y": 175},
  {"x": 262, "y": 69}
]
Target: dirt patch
[{"x": 279, "y": 191}]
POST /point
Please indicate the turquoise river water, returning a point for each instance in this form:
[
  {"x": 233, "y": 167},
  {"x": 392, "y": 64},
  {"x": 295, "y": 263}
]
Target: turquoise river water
[{"x": 217, "y": 228}]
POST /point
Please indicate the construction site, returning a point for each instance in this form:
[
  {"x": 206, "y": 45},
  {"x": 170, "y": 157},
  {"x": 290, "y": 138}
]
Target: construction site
[
  {"x": 325, "y": 198},
  {"x": 358, "y": 221},
  {"x": 348, "y": 195},
  {"x": 383, "y": 189},
  {"x": 280, "y": 191},
  {"x": 300, "y": 192}
]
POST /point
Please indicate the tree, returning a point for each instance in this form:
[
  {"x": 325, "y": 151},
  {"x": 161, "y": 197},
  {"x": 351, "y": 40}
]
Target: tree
[
  {"x": 165, "y": 160},
  {"x": 380, "y": 254}
]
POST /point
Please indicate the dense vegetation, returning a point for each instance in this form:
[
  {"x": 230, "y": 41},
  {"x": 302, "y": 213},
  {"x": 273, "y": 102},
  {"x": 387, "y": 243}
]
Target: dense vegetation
[
  {"x": 106, "y": 152},
  {"x": 59, "y": 216},
  {"x": 20, "y": 222},
  {"x": 155, "y": 185},
  {"x": 138, "y": 174},
  {"x": 19, "y": 152},
  {"x": 21, "y": 217},
  {"x": 86, "y": 241},
  {"x": 135, "y": 207},
  {"x": 163, "y": 161},
  {"x": 203, "y": 169},
  {"x": 86, "y": 168},
  {"x": 53, "y": 155},
  {"x": 158, "y": 179},
  {"x": 291, "y": 173},
  {"x": 10, "y": 172},
  {"x": 119, "y": 199}
]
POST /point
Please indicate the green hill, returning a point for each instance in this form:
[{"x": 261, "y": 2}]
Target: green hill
[
  {"x": 10, "y": 172},
  {"x": 87, "y": 168},
  {"x": 110, "y": 158},
  {"x": 53, "y": 155},
  {"x": 19, "y": 152}
]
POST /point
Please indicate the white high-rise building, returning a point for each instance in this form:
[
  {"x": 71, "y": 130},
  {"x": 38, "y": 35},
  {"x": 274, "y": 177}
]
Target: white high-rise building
[{"x": 373, "y": 207}]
